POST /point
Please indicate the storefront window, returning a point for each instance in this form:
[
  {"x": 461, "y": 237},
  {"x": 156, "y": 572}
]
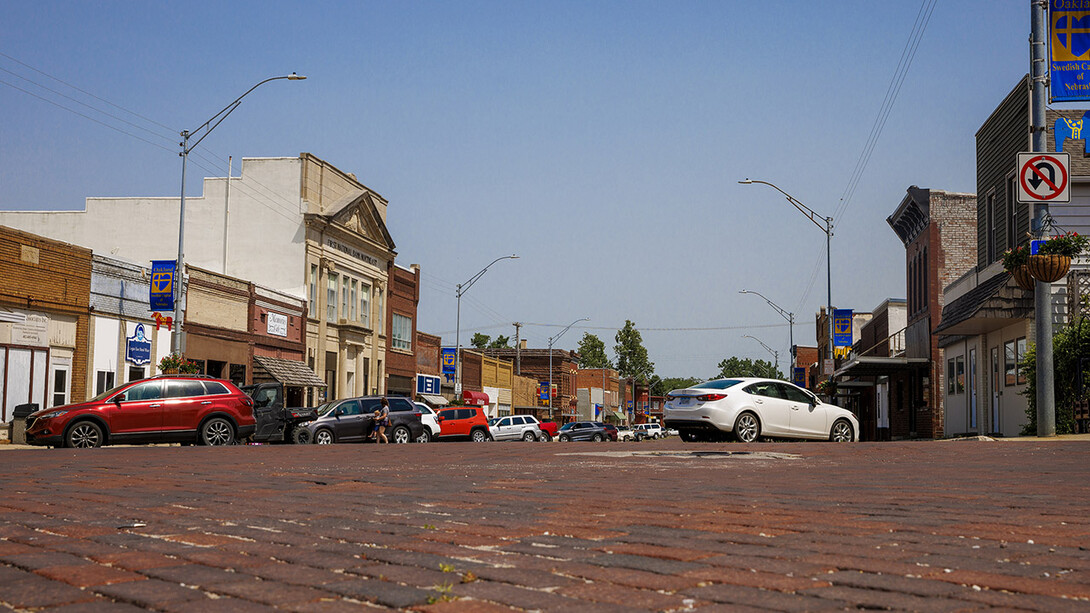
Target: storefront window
[
  {"x": 1021, "y": 349},
  {"x": 1010, "y": 365},
  {"x": 959, "y": 375}
]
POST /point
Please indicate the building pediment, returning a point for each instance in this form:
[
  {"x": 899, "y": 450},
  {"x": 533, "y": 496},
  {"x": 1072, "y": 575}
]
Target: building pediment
[{"x": 356, "y": 213}]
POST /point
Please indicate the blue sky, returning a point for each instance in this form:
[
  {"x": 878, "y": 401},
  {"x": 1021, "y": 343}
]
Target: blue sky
[{"x": 600, "y": 141}]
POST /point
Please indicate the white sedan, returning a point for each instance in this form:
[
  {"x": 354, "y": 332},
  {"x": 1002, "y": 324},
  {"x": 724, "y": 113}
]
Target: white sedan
[{"x": 749, "y": 408}]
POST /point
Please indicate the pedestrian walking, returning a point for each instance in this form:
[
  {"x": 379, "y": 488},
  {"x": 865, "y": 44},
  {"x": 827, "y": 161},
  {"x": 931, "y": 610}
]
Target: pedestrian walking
[{"x": 382, "y": 420}]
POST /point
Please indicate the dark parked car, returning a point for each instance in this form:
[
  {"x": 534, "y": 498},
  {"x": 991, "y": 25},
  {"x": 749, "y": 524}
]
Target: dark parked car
[
  {"x": 351, "y": 421},
  {"x": 164, "y": 409},
  {"x": 582, "y": 431},
  {"x": 611, "y": 430}
]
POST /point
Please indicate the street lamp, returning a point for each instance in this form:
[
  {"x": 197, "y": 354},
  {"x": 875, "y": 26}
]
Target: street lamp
[
  {"x": 463, "y": 288},
  {"x": 828, "y": 230},
  {"x": 179, "y": 273},
  {"x": 775, "y": 354},
  {"x": 553, "y": 339},
  {"x": 790, "y": 317}
]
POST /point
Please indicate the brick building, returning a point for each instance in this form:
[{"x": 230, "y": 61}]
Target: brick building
[
  {"x": 599, "y": 388},
  {"x": 877, "y": 357},
  {"x": 45, "y": 289},
  {"x": 402, "y": 300},
  {"x": 535, "y": 364},
  {"x": 939, "y": 231}
]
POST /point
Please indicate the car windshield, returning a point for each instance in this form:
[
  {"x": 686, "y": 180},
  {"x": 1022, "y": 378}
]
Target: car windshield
[
  {"x": 568, "y": 426},
  {"x": 493, "y": 421},
  {"x": 322, "y": 410},
  {"x": 718, "y": 384},
  {"x": 108, "y": 393}
]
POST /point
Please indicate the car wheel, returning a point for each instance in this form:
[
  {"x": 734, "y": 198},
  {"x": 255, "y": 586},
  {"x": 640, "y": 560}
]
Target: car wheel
[
  {"x": 841, "y": 431},
  {"x": 425, "y": 436},
  {"x": 479, "y": 436},
  {"x": 564, "y": 438},
  {"x": 323, "y": 437},
  {"x": 301, "y": 436},
  {"x": 747, "y": 428},
  {"x": 217, "y": 431},
  {"x": 597, "y": 438},
  {"x": 84, "y": 435},
  {"x": 402, "y": 435},
  {"x": 529, "y": 436},
  {"x": 545, "y": 436}
]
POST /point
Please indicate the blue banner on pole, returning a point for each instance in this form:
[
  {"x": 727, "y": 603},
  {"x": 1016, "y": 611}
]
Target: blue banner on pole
[
  {"x": 450, "y": 360},
  {"x": 161, "y": 294},
  {"x": 798, "y": 376},
  {"x": 1069, "y": 46},
  {"x": 842, "y": 327}
]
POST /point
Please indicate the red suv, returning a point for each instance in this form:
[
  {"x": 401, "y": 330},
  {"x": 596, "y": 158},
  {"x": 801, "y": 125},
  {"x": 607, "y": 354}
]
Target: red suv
[
  {"x": 464, "y": 422},
  {"x": 164, "y": 409}
]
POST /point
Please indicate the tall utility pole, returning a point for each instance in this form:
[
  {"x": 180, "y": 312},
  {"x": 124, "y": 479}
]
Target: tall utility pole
[
  {"x": 1042, "y": 292},
  {"x": 518, "y": 349}
]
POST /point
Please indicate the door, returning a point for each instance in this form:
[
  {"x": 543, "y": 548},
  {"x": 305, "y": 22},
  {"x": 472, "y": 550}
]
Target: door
[
  {"x": 59, "y": 377},
  {"x": 138, "y": 410},
  {"x": 972, "y": 390},
  {"x": 184, "y": 401},
  {"x": 806, "y": 417},
  {"x": 503, "y": 429},
  {"x": 996, "y": 386},
  {"x": 348, "y": 421},
  {"x": 772, "y": 408}
]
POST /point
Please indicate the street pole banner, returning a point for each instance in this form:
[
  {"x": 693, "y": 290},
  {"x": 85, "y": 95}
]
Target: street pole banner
[
  {"x": 450, "y": 362},
  {"x": 798, "y": 376},
  {"x": 842, "y": 327},
  {"x": 1069, "y": 50},
  {"x": 161, "y": 294}
]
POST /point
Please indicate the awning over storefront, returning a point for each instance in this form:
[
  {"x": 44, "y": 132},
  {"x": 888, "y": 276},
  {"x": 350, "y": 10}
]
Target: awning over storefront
[
  {"x": 288, "y": 372},
  {"x": 993, "y": 304},
  {"x": 475, "y": 398},
  {"x": 619, "y": 415},
  {"x": 871, "y": 366},
  {"x": 432, "y": 399}
]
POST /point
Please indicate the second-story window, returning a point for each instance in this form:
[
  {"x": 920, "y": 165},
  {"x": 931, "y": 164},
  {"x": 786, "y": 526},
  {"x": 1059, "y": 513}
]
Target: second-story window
[
  {"x": 331, "y": 298},
  {"x": 352, "y": 301},
  {"x": 312, "y": 308},
  {"x": 401, "y": 333},
  {"x": 344, "y": 297},
  {"x": 365, "y": 305}
]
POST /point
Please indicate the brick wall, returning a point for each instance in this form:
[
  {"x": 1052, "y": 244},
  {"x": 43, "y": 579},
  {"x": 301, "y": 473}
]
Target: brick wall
[
  {"x": 426, "y": 349},
  {"x": 40, "y": 274},
  {"x": 402, "y": 298}
]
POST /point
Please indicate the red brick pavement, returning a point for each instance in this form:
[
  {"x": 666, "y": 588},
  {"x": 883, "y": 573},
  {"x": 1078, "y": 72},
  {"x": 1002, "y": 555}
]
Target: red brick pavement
[{"x": 452, "y": 527}]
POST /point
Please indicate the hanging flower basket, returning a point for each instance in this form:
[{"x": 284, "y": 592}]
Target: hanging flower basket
[
  {"x": 1023, "y": 278},
  {"x": 1048, "y": 267}
]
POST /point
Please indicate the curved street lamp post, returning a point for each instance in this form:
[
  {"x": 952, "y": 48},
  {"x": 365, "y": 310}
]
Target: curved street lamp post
[
  {"x": 826, "y": 226},
  {"x": 775, "y": 354},
  {"x": 553, "y": 339},
  {"x": 208, "y": 126},
  {"x": 463, "y": 288},
  {"x": 790, "y": 317}
]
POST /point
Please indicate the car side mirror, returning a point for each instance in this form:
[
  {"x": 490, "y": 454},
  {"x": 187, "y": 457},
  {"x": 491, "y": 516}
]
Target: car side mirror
[
  {"x": 119, "y": 398},
  {"x": 338, "y": 412}
]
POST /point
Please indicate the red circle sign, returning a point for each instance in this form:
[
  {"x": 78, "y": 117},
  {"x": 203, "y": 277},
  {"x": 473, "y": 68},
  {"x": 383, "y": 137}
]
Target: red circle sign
[{"x": 1031, "y": 172}]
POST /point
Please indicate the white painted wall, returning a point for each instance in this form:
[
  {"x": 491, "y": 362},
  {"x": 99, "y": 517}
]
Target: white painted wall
[{"x": 265, "y": 231}]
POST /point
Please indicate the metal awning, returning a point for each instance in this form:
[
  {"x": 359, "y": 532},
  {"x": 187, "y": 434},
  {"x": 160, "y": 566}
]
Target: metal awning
[
  {"x": 288, "y": 372},
  {"x": 433, "y": 400},
  {"x": 871, "y": 366},
  {"x": 11, "y": 317},
  {"x": 475, "y": 398}
]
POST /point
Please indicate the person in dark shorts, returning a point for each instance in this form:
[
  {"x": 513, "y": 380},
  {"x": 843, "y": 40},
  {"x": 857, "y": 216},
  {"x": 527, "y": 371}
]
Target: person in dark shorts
[{"x": 382, "y": 421}]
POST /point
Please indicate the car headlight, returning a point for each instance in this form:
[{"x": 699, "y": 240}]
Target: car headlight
[{"x": 52, "y": 414}]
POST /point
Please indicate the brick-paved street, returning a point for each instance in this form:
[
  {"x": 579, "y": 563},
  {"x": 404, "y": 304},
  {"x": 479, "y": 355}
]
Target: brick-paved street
[{"x": 929, "y": 526}]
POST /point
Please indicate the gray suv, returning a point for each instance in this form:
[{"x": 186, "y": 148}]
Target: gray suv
[{"x": 351, "y": 421}]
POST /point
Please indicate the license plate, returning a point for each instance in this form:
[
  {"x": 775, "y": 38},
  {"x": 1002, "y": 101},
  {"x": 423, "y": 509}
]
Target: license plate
[{"x": 684, "y": 400}]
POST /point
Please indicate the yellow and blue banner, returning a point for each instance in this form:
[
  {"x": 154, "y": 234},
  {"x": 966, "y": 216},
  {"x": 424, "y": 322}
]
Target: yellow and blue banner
[
  {"x": 798, "y": 376},
  {"x": 1069, "y": 50},
  {"x": 842, "y": 327},
  {"x": 161, "y": 295}
]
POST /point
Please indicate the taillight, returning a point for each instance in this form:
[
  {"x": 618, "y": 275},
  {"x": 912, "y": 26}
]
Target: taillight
[{"x": 711, "y": 397}]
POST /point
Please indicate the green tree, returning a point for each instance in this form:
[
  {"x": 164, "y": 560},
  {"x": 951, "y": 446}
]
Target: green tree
[
  {"x": 1068, "y": 347},
  {"x": 500, "y": 342},
  {"x": 665, "y": 385},
  {"x": 632, "y": 358},
  {"x": 480, "y": 341},
  {"x": 592, "y": 352},
  {"x": 738, "y": 367}
]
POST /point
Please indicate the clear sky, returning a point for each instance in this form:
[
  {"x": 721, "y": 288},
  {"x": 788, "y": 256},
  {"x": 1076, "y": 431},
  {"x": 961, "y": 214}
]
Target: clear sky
[{"x": 600, "y": 141}]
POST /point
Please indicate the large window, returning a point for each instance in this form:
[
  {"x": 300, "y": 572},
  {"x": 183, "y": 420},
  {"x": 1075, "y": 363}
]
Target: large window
[
  {"x": 331, "y": 299},
  {"x": 365, "y": 307},
  {"x": 104, "y": 380},
  {"x": 344, "y": 297},
  {"x": 352, "y": 300},
  {"x": 381, "y": 307},
  {"x": 313, "y": 306},
  {"x": 1013, "y": 352},
  {"x": 959, "y": 374},
  {"x": 950, "y": 376},
  {"x": 401, "y": 336}
]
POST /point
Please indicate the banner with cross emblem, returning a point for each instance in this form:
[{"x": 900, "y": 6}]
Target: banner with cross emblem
[
  {"x": 162, "y": 285},
  {"x": 1069, "y": 50}
]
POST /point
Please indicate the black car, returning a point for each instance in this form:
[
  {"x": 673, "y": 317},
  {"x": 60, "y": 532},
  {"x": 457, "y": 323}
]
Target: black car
[
  {"x": 351, "y": 421},
  {"x": 582, "y": 431}
]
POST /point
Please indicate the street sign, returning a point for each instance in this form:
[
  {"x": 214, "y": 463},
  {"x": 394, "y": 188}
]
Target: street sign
[
  {"x": 1043, "y": 177},
  {"x": 427, "y": 384}
]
